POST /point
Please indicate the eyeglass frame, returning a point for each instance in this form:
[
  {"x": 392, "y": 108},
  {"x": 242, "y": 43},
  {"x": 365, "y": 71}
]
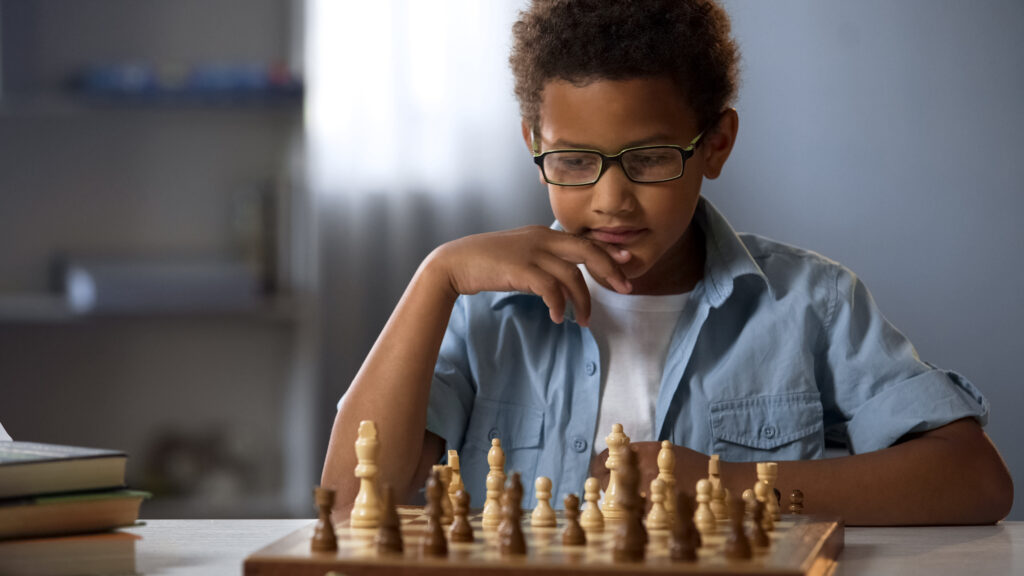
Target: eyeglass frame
[{"x": 686, "y": 152}]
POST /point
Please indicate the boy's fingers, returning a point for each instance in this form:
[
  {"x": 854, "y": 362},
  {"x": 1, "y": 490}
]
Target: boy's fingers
[
  {"x": 572, "y": 283},
  {"x": 543, "y": 284},
  {"x": 598, "y": 260}
]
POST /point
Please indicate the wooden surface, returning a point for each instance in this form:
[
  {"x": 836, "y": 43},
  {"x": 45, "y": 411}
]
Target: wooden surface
[
  {"x": 801, "y": 546},
  {"x": 218, "y": 547}
]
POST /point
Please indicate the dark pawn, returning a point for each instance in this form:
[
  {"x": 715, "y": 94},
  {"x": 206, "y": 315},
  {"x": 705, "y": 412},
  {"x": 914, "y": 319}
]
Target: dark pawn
[
  {"x": 324, "y": 539},
  {"x": 434, "y": 543},
  {"x": 757, "y": 534},
  {"x": 573, "y": 534},
  {"x": 630, "y": 539},
  {"x": 389, "y": 535},
  {"x": 796, "y": 502},
  {"x": 461, "y": 530},
  {"x": 737, "y": 547},
  {"x": 510, "y": 532},
  {"x": 685, "y": 537}
]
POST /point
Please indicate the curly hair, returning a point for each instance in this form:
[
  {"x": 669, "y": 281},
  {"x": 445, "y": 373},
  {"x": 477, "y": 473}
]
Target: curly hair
[{"x": 580, "y": 41}]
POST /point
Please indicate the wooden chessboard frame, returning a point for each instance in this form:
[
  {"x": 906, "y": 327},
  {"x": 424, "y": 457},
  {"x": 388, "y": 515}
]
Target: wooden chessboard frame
[{"x": 801, "y": 546}]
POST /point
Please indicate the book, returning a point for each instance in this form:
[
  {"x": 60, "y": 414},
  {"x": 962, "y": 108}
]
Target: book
[
  {"x": 32, "y": 468},
  {"x": 100, "y": 553},
  {"x": 72, "y": 513}
]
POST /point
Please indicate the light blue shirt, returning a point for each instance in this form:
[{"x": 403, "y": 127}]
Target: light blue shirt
[{"x": 777, "y": 349}]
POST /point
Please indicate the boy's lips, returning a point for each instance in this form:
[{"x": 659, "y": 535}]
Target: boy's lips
[{"x": 616, "y": 235}]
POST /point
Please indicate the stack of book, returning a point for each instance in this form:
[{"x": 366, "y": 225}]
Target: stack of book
[{"x": 59, "y": 508}]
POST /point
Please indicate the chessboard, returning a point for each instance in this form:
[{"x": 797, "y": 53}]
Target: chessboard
[{"x": 800, "y": 545}]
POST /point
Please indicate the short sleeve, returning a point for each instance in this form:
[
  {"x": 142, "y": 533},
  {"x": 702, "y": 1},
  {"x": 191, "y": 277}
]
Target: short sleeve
[
  {"x": 876, "y": 386},
  {"x": 452, "y": 391}
]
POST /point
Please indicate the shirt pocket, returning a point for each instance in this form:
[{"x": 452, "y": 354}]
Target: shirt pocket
[
  {"x": 776, "y": 427},
  {"x": 520, "y": 429}
]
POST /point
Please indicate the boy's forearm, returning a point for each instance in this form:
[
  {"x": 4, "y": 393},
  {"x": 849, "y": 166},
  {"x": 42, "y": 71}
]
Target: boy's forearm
[
  {"x": 951, "y": 475},
  {"x": 392, "y": 389}
]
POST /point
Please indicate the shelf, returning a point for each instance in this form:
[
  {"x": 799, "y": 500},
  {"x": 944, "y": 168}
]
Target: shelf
[
  {"x": 53, "y": 309},
  {"x": 47, "y": 105}
]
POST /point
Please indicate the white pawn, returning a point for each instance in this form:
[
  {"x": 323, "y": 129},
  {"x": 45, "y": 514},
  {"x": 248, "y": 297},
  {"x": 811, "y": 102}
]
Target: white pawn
[
  {"x": 592, "y": 520},
  {"x": 366, "y": 508},
  {"x": 618, "y": 443},
  {"x": 495, "y": 485},
  {"x": 456, "y": 484},
  {"x": 761, "y": 492},
  {"x": 667, "y": 474},
  {"x": 718, "y": 496},
  {"x": 657, "y": 518},
  {"x": 750, "y": 500},
  {"x": 771, "y": 476},
  {"x": 543, "y": 514},
  {"x": 704, "y": 518}
]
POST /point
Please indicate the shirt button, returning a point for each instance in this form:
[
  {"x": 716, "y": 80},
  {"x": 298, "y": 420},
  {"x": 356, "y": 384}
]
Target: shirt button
[
  {"x": 591, "y": 368},
  {"x": 579, "y": 444},
  {"x": 494, "y": 433},
  {"x": 769, "y": 431}
]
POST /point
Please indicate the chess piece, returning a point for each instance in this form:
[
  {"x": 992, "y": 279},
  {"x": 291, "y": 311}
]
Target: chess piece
[
  {"x": 796, "y": 502},
  {"x": 657, "y": 518},
  {"x": 461, "y": 530},
  {"x": 705, "y": 518},
  {"x": 389, "y": 535},
  {"x": 592, "y": 520},
  {"x": 750, "y": 500},
  {"x": 667, "y": 474},
  {"x": 737, "y": 546},
  {"x": 761, "y": 492},
  {"x": 366, "y": 508},
  {"x": 434, "y": 543},
  {"x": 771, "y": 476},
  {"x": 630, "y": 537},
  {"x": 543, "y": 514},
  {"x": 495, "y": 484},
  {"x": 573, "y": 534},
  {"x": 456, "y": 484},
  {"x": 718, "y": 505},
  {"x": 758, "y": 537},
  {"x": 511, "y": 541},
  {"x": 324, "y": 539},
  {"x": 445, "y": 474},
  {"x": 618, "y": 445},
  {"x": 685, "y": 537}
]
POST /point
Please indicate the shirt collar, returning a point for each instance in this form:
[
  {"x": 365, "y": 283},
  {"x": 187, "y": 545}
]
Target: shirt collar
[{"x": 726, "y": 260}]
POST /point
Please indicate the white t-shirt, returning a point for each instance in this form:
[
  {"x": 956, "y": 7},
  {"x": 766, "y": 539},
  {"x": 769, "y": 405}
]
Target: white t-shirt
[{"x": 633, "y": 333}]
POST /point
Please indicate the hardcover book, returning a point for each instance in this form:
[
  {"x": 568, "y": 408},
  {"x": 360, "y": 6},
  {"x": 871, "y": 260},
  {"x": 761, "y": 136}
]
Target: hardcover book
[{"x": 32, "y": 468}]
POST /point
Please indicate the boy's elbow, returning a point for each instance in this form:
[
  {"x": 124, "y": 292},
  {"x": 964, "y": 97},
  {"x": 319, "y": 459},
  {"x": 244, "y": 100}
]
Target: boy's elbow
[{"x": 1000, "y": 488}]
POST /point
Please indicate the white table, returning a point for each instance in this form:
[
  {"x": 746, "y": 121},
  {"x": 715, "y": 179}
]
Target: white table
[{"x": 208, "y": 547}]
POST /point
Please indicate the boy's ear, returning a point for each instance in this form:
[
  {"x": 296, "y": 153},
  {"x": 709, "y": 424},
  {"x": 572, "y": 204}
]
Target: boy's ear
[
  {"x": 527, "y": 135},
  {"x": 718, "y": 143},
  {"x": 528, "y": 139}
]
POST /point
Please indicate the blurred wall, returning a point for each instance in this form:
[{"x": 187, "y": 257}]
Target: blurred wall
[{"x": 887, "y": 136}]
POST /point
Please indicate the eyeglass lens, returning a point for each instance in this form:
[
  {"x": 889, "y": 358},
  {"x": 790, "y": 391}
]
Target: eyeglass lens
[{"x": 642, "y": 165}]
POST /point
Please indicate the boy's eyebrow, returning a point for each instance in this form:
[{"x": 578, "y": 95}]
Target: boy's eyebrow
[{"x": 659, "y": 138}]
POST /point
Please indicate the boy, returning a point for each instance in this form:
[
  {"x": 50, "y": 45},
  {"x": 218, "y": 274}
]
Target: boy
[{"x": 643, "y": 306}]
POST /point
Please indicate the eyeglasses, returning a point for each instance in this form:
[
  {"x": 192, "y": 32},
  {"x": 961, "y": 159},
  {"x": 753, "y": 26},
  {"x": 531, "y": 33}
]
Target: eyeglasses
[{"x": 641, "y": 164}]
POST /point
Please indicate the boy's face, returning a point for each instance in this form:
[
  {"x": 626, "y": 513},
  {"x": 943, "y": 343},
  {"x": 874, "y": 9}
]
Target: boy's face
[{"x": 649, "y": 220}]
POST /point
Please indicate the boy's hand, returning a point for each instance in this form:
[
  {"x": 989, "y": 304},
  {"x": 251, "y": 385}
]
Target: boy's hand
[{"x": 533, "y": 259}]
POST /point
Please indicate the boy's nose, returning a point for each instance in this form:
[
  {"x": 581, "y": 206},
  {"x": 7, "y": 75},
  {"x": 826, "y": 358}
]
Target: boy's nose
[{"x": 613, "y": 192}]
